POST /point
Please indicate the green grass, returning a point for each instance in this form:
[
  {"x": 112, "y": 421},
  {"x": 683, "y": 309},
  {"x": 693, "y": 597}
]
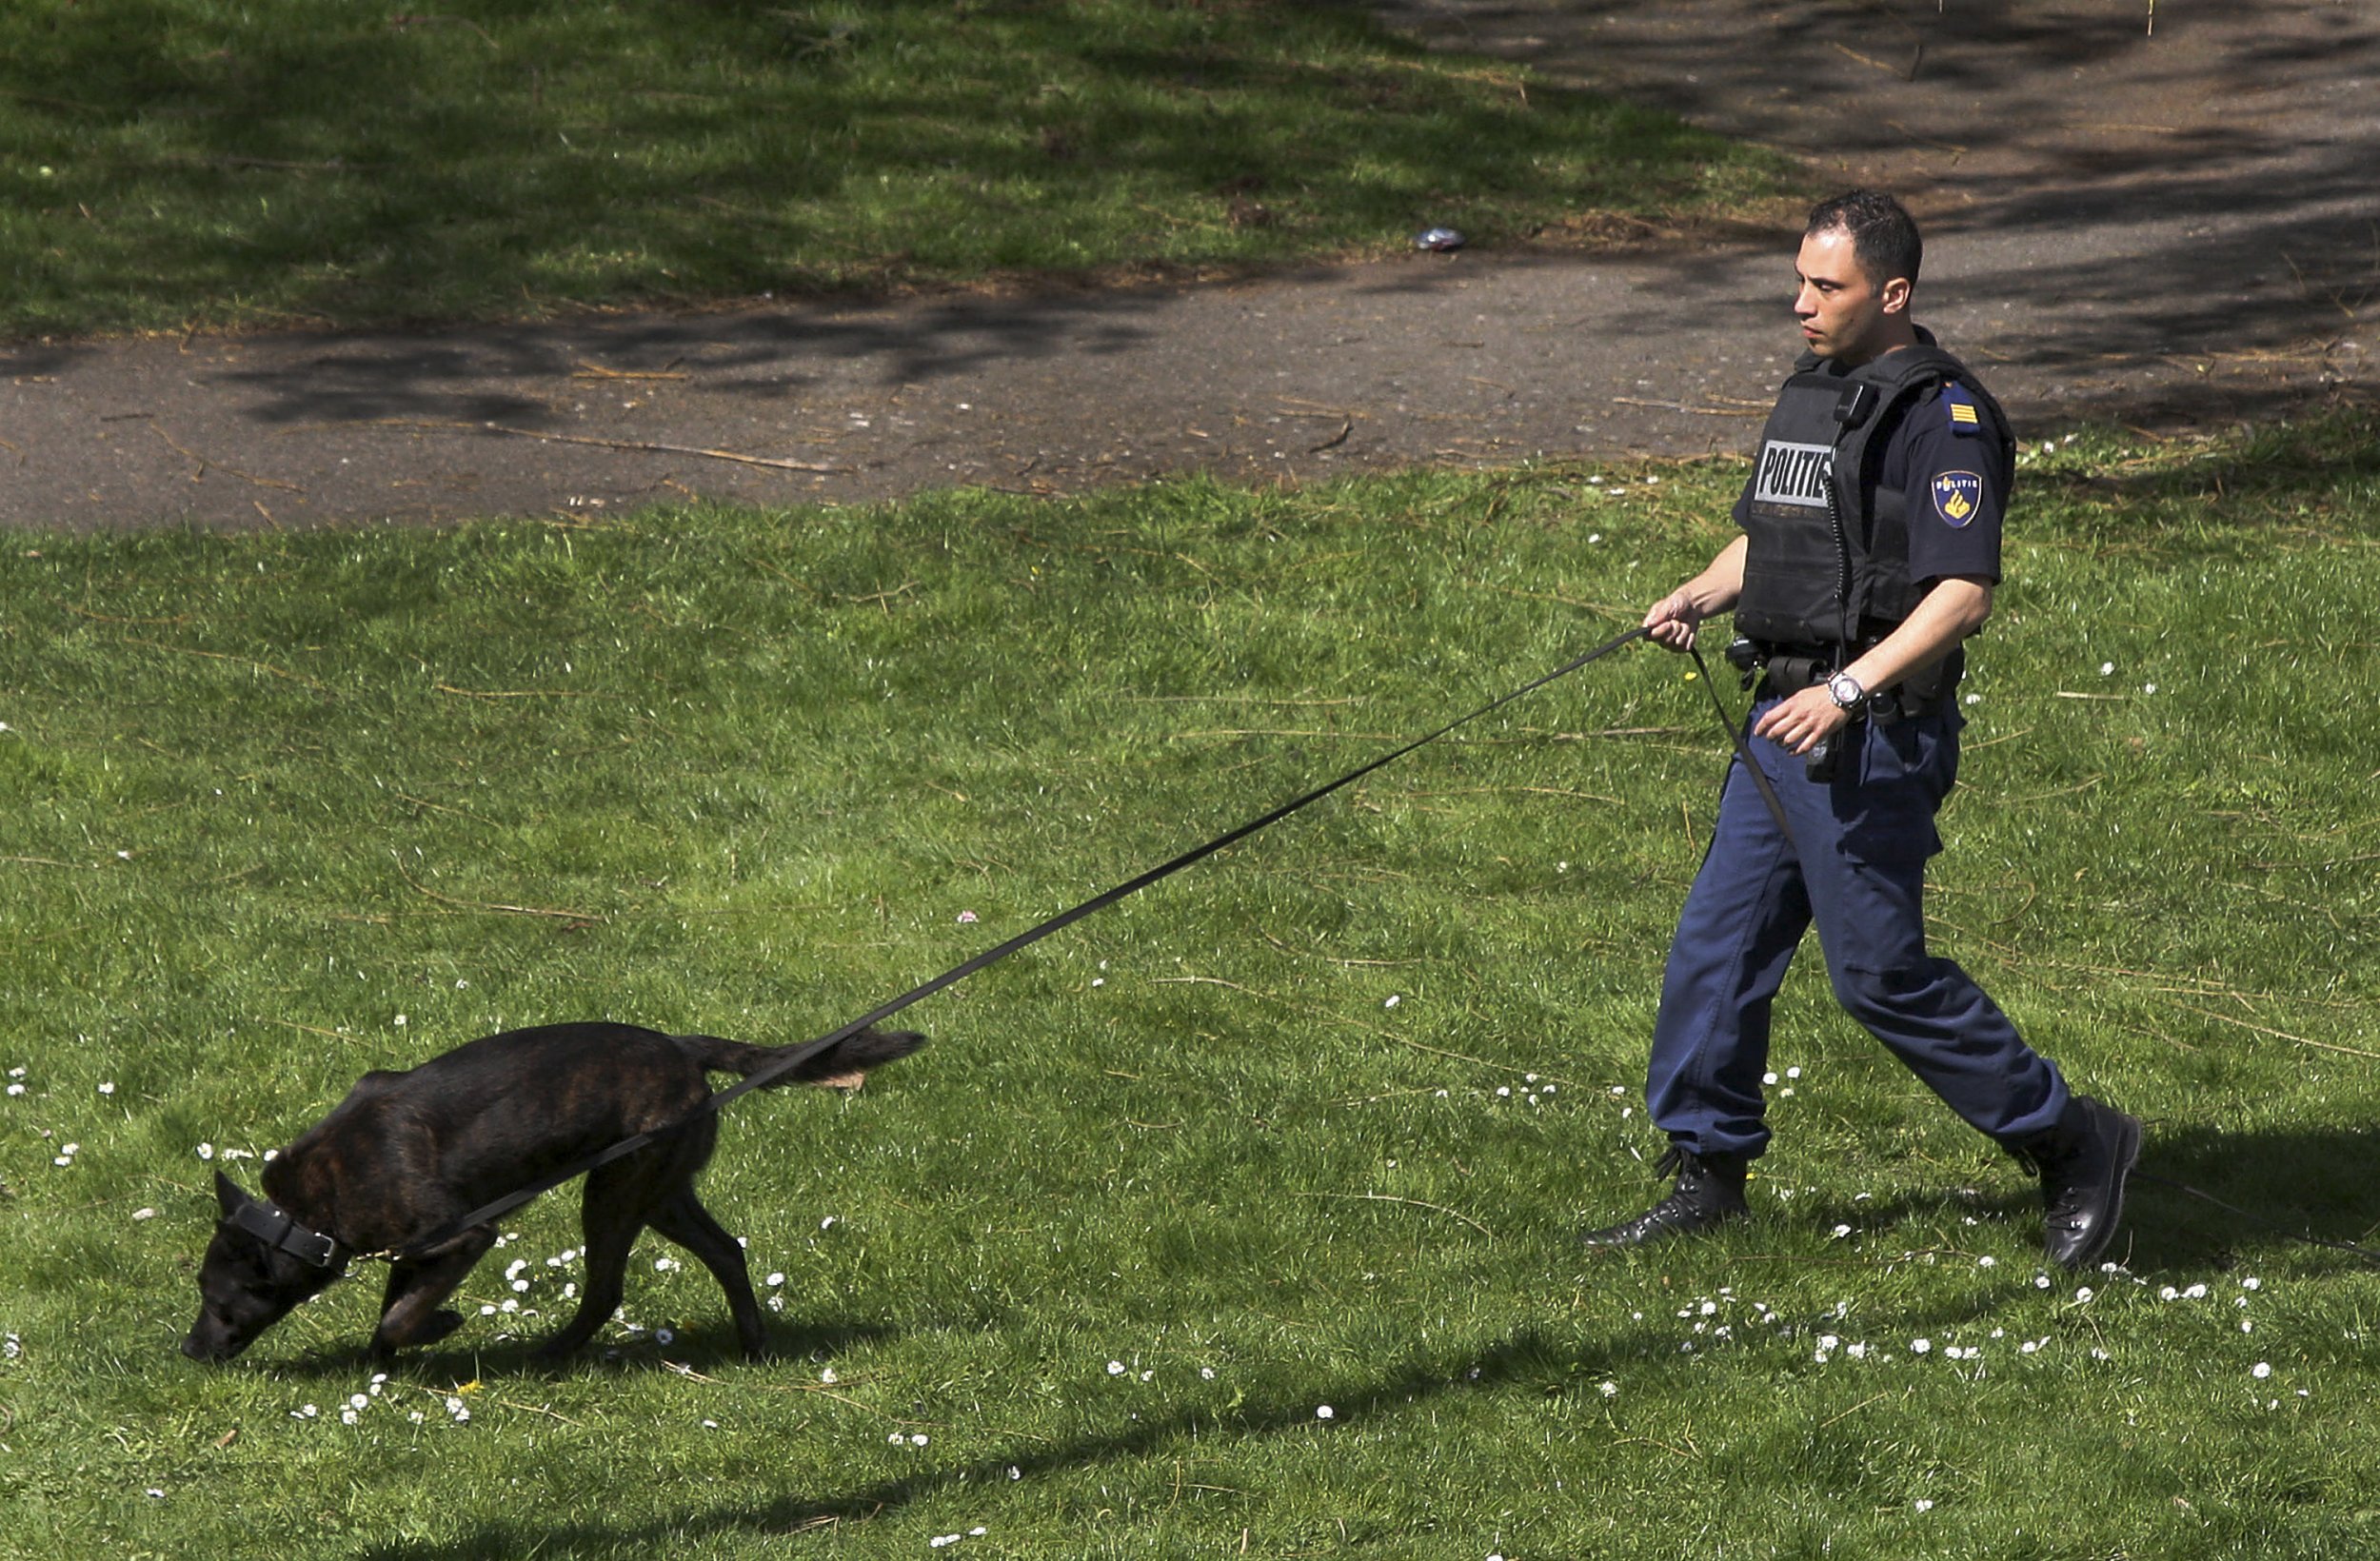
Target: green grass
[
  {"x": 167, "y": 164},
  {"x": 284, "y": 808}
]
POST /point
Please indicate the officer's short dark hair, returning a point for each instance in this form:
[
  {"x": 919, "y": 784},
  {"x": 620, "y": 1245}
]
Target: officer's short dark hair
[{"x": 1883, "y": 234}]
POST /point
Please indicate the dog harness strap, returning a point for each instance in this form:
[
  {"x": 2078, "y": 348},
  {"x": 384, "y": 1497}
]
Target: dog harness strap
[
  {"x": 794, "y": 1058},
  {"x": 277, "y": 1229}
]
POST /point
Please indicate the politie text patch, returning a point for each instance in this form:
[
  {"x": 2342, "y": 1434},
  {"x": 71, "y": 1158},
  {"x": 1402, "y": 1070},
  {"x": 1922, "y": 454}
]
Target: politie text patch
[
  {"x": 1793, "y": 474},
  {"x": 1957, "y": 495}
]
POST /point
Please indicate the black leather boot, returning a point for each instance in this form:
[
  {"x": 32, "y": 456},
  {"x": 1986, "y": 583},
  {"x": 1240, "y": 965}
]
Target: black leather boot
[
  {"x": 1710, "y": 1191},
  {"x": 2083, "y": 1162}
]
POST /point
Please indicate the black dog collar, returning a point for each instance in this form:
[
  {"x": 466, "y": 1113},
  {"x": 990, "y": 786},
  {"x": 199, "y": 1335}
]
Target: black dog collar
[{"x": 278, "y": 1230}]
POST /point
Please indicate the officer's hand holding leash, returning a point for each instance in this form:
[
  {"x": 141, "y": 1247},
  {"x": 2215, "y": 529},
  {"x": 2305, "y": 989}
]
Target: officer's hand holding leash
[
  {"x": 1670, "y": 623},
  {"x": 1798, "y": 723}
]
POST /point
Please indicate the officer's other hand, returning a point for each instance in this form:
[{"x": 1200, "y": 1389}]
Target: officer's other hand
[
  {"x": 1671, "y": 621},
  {"x": 1801, "y": 721}
]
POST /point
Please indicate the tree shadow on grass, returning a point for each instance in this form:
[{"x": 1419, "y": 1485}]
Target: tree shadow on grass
[
  {"x": 702, "y": 1348},
  {"x": 1529, "y": 1355},
  {"x": 310, "y": 162},
  {"x": 1535, "y": 1360}
]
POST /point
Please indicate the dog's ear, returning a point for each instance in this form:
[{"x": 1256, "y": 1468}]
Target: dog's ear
[{"x": 228, "y": 1197}]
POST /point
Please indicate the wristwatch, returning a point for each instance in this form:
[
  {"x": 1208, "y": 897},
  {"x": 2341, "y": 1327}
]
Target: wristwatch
[{"x": 1845, "y": 691}]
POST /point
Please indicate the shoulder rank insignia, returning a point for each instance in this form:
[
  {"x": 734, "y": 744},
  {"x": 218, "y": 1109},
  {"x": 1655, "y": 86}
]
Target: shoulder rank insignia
[
  {"x": 1957, "y": 495},
  {"x": 1966, "y": 418}
]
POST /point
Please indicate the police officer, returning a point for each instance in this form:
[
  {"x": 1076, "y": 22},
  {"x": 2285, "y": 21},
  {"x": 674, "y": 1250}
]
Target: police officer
[{"x": 1870, "y": 549}]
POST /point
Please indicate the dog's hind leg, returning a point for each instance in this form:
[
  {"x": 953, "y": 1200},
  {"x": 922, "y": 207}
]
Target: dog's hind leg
[
  {"x": 409, "y": 1313},
  {"x": 685, "y": 1220}
]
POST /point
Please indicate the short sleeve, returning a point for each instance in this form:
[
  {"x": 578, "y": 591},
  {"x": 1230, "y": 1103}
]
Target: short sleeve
[{"x": 1951, "y": 456}]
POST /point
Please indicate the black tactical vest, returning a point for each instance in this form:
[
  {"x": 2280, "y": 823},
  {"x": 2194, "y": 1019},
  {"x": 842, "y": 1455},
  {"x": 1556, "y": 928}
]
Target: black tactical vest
[{"x": 1829, "y": 558}]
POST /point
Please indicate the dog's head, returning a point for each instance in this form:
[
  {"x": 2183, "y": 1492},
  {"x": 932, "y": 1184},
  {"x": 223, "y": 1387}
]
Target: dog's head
[{"x": 248, "y": 1283}]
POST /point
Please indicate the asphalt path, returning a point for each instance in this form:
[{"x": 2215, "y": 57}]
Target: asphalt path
[{"x": 2162, "y": 219}]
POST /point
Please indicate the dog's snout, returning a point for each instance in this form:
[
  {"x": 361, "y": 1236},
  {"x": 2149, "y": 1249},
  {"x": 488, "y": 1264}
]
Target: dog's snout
[
  {"x": 212, "y": 1351},
  {"x": 213, "y": 1338}
]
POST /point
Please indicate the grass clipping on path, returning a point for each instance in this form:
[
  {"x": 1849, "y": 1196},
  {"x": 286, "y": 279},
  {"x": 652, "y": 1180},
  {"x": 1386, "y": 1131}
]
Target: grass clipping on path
[
  {"x": 1307, "y": 1128},
  {"x": 201, "y": 163}
]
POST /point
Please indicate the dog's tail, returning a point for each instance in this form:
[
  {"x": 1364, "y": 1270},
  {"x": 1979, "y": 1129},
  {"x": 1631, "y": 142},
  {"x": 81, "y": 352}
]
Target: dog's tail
[{"x": 842, "y": 1066}]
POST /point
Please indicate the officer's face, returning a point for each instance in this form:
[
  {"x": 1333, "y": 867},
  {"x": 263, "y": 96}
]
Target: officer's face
[{"x": 1844, "y": 313}]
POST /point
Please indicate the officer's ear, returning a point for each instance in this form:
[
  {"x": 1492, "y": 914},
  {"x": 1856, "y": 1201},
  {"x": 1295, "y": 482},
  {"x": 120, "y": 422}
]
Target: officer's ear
[{"x": 1894, "y": 295}]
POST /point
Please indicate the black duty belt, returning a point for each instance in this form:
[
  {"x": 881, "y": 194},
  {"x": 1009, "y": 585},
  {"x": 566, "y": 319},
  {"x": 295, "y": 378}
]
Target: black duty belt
[
  {"x": 1792, "y": 674},
  {"x": 1786, "y": 670}
]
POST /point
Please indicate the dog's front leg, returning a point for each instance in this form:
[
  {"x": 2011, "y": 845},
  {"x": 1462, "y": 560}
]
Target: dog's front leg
[
  {"x": 410, "y": 1312},
  {"x": 610, "y": 1216}
]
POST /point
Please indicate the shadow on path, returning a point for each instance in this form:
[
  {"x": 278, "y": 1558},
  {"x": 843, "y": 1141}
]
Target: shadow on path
[{"x": 2165, "y": 231}]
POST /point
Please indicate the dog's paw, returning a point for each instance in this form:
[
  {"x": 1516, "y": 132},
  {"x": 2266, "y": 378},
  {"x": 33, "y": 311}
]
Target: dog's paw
[{"x": 428, "y": 1330}]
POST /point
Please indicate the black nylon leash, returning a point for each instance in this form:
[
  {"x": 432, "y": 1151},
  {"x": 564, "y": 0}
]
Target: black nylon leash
[
  {"x": 1740, "y": 737},
  {"x": 1063, "y": 919}
]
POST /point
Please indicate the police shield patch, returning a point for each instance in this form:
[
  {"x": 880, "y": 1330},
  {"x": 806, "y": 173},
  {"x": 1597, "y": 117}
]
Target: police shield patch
[{"x": 1957, "y": 497}]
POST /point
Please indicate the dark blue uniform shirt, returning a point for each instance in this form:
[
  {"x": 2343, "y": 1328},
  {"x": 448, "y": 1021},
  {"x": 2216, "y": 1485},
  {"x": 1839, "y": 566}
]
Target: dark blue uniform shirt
[{"x": 1945, "y": 458}]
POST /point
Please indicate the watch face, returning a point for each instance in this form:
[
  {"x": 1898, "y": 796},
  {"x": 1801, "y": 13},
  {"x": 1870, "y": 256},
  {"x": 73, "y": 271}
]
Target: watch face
[{"x": 1845, "y": 689}]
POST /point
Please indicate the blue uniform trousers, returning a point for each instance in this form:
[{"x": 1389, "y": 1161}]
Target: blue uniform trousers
[{"x": 1856, "y": 867}]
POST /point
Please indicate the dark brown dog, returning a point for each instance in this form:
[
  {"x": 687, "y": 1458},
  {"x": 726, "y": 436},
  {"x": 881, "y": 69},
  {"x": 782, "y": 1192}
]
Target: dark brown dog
[{"x": 406, "y": 1154}]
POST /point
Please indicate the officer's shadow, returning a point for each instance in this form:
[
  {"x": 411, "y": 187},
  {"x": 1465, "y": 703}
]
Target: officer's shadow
[
  {"x": 2281, "y": 1186},
  {"x": 2200, "y": 1199}
]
